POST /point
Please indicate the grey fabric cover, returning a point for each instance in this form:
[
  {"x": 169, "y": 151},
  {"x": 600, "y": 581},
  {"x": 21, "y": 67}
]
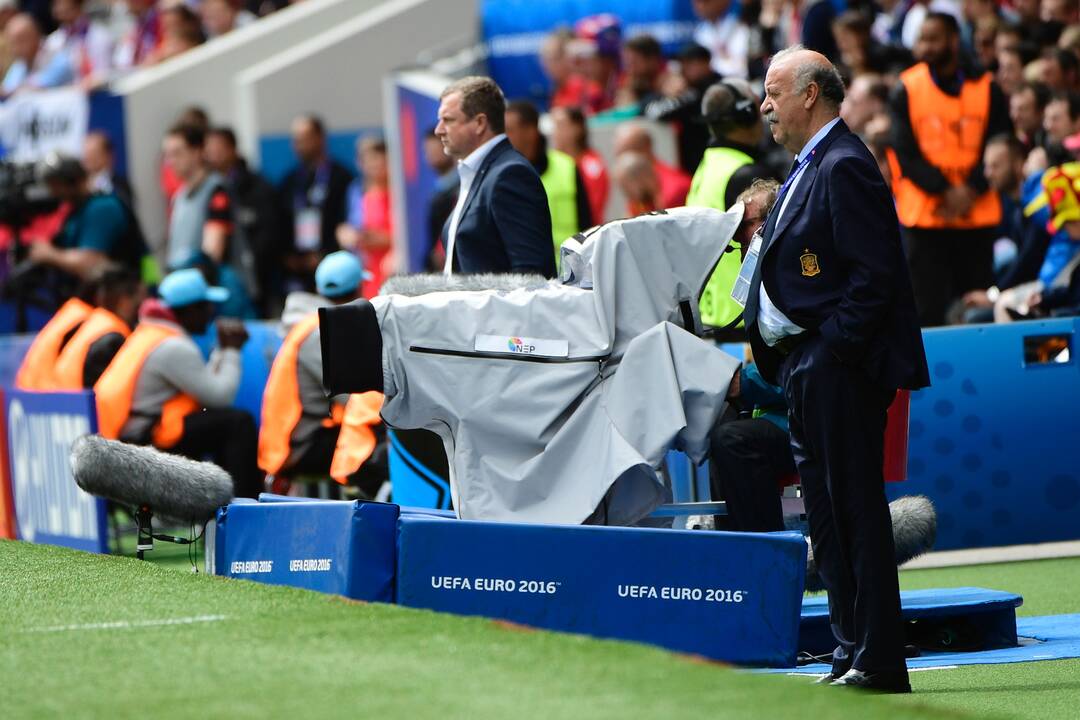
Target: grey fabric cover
[{"x": 542, "y": 439}]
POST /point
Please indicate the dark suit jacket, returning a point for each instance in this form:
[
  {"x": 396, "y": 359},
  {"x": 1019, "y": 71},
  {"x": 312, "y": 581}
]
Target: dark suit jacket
[
  {"x": 505, "y": 224},
  {"x": 834, "y": 264},
  {"x": 294, "y": 189}
]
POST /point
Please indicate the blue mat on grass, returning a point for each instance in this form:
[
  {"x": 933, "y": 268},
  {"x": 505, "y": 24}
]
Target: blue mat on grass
[{"x": 1050, "y": 637}]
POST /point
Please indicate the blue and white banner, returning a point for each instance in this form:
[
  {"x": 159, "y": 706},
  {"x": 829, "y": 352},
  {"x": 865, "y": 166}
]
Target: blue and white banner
[
  {"x": 37, "y": 123},
  {"x": 49, "y": 506}
]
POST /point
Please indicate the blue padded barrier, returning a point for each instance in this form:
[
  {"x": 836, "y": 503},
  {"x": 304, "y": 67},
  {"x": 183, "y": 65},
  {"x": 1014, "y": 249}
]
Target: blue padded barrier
[
  {"x": 988, "y": 615},
  {"x": 729, "y": 596},
  {"x": 993, "y": 441},
  {"x": 346, "y": 548}
]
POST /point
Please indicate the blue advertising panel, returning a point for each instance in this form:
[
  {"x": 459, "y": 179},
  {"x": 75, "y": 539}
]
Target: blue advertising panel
[
  {"x": 515, "y": 29},
  {"x": 992, "y": 442},
  {"x": 417, "y": 102},
  {"x": 730, "y": 596},
  {"x": 49, "y": 506},
  {"x": 344, "y": 548}
]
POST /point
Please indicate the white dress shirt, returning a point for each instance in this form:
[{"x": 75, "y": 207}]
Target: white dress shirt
[
  {"x": 772, "y": 323},
  {"x": 467, "y": 170}
]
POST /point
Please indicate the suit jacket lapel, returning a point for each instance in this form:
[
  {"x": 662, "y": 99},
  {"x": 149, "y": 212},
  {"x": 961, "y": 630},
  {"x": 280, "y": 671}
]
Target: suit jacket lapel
[
  {"x": 484, "y": 166},
  {"x": 795, "y": 204}
]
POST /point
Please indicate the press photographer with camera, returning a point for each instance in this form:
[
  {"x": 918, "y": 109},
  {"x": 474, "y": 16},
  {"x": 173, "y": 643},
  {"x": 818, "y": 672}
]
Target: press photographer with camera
[{"x": 98, "y": 229}]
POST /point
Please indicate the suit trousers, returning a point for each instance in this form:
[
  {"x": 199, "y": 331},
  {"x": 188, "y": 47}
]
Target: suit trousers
[{"x": 837, "y": 417}]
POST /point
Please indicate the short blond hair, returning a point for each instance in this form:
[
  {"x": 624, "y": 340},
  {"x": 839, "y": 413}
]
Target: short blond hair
[{"x": 766, "y": 189}]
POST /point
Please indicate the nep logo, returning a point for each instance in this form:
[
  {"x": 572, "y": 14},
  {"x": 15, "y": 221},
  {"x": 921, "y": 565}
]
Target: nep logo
[{"x": 517, "y": 345}]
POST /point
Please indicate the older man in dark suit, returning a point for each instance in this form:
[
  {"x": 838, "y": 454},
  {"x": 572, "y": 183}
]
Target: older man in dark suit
[
  {"x": 501, "y": 222},
  {"x": 831, "y": 318}
]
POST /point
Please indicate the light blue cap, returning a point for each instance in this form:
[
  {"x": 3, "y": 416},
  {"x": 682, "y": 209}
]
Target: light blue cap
[
  {"x": 339, "y": 273},
  {"x": 186, "y": 287}
]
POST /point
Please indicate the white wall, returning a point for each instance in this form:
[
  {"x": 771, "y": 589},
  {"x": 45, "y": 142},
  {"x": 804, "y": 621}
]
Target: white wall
[
  {"x": 340, "y": 72},
  {"x": 204, "y": 76}
]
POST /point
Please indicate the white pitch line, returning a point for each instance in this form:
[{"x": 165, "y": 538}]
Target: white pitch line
[{"x": 128, "y": 624}]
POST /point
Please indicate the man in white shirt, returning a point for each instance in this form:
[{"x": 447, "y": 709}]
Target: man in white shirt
[{"x": 501, "y": 222}]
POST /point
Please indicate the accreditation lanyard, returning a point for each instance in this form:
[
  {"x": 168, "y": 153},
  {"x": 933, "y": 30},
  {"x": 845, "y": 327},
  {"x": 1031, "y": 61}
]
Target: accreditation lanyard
[
  {"x": 741, "y": 289},
  {"x": 308, "y": 211}
]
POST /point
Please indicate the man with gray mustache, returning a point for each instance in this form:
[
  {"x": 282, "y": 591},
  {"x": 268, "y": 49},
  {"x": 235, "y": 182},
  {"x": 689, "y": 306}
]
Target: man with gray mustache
[{"x": 831, "y": 318}]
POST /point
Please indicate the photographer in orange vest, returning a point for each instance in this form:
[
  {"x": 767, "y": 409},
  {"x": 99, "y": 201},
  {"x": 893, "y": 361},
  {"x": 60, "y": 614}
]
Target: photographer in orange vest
[
  {"x": 98, "y": 339},
  {"x": 158, "y": 389},
  {"x": 303, "y": 432},
  {"x": 943, "y": 112}
]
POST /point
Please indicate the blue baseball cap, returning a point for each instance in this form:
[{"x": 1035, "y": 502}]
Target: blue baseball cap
[
  {"x": 339, "y": 273},
  {"x": 186, "y": 287}
]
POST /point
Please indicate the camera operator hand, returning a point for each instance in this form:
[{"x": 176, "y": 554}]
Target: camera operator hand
[{"x": 231, "y": 333}]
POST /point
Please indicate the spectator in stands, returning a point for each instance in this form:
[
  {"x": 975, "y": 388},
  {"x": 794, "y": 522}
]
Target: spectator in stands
[
  {"x": 158, "y": 389},
  {"x": 571, "y": 136},
  {"x": 808, "y": 22},
  {"x": 635, "y": 175},
  {"x": 866, "y": 105},
  {"x": 674, "y": 184},
  {"x": 303, "y": 432},
  {"x": 1057, "y": 276},
  {"x": 24, "y": 39},
  {"x": 599, "y": 45},
  {"x": 1027, "y": 106},
  {"x": 99, "y": 159},
  {"x": 1010, "y": 70},
  {"x": 258, "y": 219},
  {"x": 98, "y": 229},
  {"x": 501, "y": 222},
  {"x": 314, "y": 195},
  {"x": 644, "y": 77},
  {"x": 1060, "y": 70},
  {"x": 93, "y": 346},
  {"x": 947, "y": 211},
  {"x": 181, "y": 30},
  {"x": 859, "y": 53},
  {"x": 684, "y": 107},
  {"x": 223, "y": 16},
  {"x": 1061, "y": 119},
  {"x": 201, "y": 226},
  {"x": 139, "y": 45},
  {"x": 82, "y": 45},
  {"x": 8, "y": 10},
  {"x": 1003, "y": 162},
  {"x": 193, "y": 116},
  {"x": 724, "y": 35},
  {"x": 569, "y": 87},
  {"x": 568, "y": 200},
  {"x": 373, "y": 237},
  {"x": 442, "y": 201}
]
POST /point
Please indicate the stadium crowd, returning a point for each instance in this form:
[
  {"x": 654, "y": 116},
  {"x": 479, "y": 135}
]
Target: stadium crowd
[
  {"x": 972, "y": 109},
  {"x": 56, "y": 43}
]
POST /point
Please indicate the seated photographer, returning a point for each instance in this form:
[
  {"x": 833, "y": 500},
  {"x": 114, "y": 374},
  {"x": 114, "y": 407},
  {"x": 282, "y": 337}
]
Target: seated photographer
[
  {"x": 158, "y": 389},
  {"x": 93, "y": 346},
  {"x": 98, "y": 229},
  {"x": 303, "y": 432}
]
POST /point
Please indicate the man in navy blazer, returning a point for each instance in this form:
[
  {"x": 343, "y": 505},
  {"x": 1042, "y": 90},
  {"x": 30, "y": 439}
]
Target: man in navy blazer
[
  {"x": 501, "y": 222},
  {"x": 831, "y": 318}
]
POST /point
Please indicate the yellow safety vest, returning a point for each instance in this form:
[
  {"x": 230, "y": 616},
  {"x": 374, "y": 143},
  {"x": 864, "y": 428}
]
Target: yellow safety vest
[
  {"x": 560, "y": 184},
  {"x": 707, "y": 190}
]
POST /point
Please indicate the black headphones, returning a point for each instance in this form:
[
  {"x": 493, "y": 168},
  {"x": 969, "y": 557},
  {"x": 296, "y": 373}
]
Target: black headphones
[{"x": 743, "y": 112}]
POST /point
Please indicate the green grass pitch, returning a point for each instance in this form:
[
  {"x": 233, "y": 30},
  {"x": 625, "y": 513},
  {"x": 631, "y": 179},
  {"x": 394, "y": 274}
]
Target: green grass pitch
[{"x": 97, "y": 636}]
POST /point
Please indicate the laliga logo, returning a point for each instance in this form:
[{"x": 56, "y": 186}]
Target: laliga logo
[{"x": 517, "y": 345}]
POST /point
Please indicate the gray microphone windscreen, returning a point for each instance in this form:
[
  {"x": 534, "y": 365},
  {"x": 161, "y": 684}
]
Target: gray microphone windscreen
[{"x": 170, "y": 485}]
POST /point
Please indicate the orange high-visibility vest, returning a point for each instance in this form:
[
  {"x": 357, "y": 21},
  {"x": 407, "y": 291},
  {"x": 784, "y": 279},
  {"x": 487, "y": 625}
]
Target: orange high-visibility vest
[
  {"x": 949, "y": 131},
  {"x": 282, "y": 410},
  {"x": 37, "y": 369},
  {"x": 69, "y": 366},
  {"x": 115, "y": 389}
]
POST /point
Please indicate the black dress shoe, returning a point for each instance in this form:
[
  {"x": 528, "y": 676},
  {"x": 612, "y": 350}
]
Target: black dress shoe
[{"x": 882, "y": 682}]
